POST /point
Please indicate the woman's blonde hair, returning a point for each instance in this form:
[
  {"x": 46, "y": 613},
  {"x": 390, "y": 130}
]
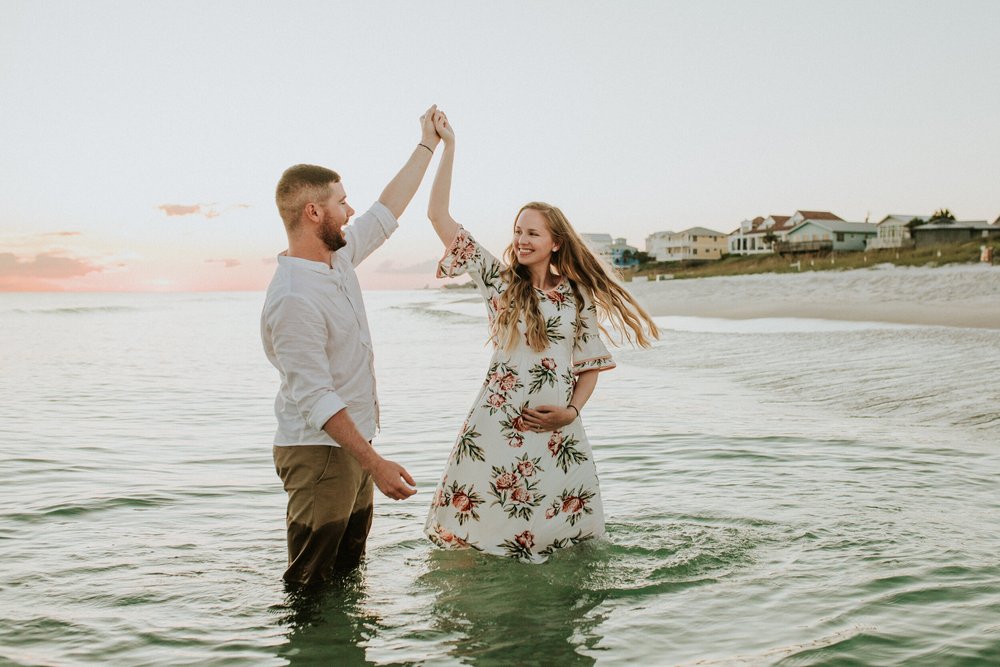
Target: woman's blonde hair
[{"x": 575, "y": 262}]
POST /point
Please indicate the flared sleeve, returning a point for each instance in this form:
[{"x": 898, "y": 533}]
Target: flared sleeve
[
  {"x": 465, "y": 255},
  {"x": 589, "y": 351}
]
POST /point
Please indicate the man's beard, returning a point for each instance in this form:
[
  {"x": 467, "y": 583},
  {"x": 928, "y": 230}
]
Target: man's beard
[{"x": 332, "y": 238}]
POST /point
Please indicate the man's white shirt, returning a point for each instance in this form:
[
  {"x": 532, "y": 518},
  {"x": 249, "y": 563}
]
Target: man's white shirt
[{"x": 315, "y": 332}]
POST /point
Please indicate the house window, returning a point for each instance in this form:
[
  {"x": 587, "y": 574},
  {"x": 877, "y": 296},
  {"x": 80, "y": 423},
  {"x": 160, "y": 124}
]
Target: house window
[
  {"x": 695, "y": 251},
  {"x": 840, "y": 237}
]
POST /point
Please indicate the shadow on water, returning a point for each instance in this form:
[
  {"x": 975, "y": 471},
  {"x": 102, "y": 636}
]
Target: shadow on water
[
  {"x": 481, "y": 610},
  {"x": 473, "y": 609},
  {"x": 489, "y": 611},
  {"x": 328, "y": 624}
]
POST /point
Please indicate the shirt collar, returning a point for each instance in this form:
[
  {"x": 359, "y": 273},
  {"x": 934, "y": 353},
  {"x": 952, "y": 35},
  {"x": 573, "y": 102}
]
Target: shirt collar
[{"x": 308, "y": 264}]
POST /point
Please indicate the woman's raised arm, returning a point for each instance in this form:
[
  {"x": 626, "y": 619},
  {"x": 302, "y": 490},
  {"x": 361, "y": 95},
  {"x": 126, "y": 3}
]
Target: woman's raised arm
[{"x": 437, "y": 209}]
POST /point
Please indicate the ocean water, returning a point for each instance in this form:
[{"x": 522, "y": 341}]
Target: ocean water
[{"x": 786, "y": 492}]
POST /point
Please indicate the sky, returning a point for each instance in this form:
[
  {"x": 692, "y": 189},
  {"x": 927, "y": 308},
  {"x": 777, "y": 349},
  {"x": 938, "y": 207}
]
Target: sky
[{"x": 140, "y": 142}]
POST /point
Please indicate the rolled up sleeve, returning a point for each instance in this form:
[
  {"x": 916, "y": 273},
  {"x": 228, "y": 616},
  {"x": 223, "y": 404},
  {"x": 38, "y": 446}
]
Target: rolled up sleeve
[
  {"x": 299, "y": 337},
  {"x": 370, "y": 230}
]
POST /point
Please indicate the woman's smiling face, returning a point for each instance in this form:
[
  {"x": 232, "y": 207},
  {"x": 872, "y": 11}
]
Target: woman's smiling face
[{"x": 533, "y": 242}]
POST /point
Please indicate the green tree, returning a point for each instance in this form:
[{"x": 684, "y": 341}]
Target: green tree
[
  {"x": 942, "y": 216},
  {"x": 637, "y": 256}
]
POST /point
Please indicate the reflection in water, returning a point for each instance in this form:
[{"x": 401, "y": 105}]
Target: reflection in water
[
  {"x": 499, "y": 612},
  {"x": 327, "y": 624}
]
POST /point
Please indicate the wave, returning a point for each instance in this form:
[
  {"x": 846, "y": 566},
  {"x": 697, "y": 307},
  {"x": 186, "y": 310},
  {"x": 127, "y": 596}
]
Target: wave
[{"x": 64, "y": 510}]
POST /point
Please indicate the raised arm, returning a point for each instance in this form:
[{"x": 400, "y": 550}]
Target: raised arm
[
  {"x": 437, "y": 209},
  {"x": 397, "y": 195}
]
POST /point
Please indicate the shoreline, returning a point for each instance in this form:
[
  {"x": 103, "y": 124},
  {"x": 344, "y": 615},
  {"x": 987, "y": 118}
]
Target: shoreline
[{"x": 958, "y": 297}]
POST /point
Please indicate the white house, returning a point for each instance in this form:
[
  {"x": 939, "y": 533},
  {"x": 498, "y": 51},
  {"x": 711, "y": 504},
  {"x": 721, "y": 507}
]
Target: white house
[
  {"x": 600, "y": 244},
  {"x": 656, "y": 244},
  {"x": 755, "y": 237},
  {"x": 894, "y": 232}
]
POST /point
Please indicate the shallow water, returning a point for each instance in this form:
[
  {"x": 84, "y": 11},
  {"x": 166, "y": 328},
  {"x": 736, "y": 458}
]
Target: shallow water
[{"x": 778, "y": 492}]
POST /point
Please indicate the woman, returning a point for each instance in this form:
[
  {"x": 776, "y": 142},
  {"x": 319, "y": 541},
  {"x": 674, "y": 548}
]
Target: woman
[{"x": 521, "y": 481}]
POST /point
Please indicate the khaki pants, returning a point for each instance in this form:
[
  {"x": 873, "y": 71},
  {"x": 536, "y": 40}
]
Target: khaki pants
[{"x": 329, "y": 510}]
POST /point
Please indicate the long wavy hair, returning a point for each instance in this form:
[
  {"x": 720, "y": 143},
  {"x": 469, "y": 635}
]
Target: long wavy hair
[{"x": 575, "y": 262}]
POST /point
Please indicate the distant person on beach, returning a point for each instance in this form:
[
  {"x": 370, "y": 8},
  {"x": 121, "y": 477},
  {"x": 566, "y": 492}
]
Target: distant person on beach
[
  {"x": 315, "y": 332},
  {"x": 520, "y": 480}
]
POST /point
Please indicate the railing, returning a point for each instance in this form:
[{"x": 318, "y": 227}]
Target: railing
[{"x": 782, "y": 247}]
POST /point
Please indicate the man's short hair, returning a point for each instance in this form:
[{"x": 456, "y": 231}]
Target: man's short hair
[{"x": 300, "y": 185}]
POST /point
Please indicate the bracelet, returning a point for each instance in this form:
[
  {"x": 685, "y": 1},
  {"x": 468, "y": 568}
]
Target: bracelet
[
  {"x": 574, "y": 408},
  {"x": 427, "y": 147}
]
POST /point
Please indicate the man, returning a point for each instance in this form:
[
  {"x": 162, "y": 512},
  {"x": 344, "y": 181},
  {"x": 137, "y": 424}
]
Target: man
[{"x": 315, "y": 332}]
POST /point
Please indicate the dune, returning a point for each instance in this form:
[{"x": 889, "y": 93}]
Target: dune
[{"x": 958, "y": 295}]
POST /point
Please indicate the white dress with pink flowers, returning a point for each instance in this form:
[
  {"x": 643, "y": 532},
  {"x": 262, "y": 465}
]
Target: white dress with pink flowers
[{"x": 512, "y": 492}]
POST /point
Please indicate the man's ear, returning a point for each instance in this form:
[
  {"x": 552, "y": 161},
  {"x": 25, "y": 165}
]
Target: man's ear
[{"x": 311, "y": 211}]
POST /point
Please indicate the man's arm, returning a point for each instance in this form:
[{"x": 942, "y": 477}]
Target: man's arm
[
  {"x": 390, "y": 477},
  {"x": 397, "y": 195},
  {"x": 298, "y": 334}
]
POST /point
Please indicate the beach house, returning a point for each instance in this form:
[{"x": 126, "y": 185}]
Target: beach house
[
  {"x": 656, "y": 244},
  {"x": 756, "y": 237},
  {"x": 960, "y": 231},
  {"x": 622, "y": 254},
  {"x": 599, "y": 244},
  {"x": 616, "y": 252},
  {"x": 894, "y": 231},
  {"x": 821, "y": 231},
  {"x": 691, "y": 243}
]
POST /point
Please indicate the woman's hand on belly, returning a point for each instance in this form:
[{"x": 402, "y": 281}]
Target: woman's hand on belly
[{"x": 548, "y": 417}]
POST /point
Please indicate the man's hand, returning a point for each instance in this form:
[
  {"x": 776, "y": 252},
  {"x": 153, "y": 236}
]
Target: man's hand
[
  {"x": 397, "y": 194},
  {"x": 444, "y": 128},
  {"x": 393, "y": 480},
  {"x": 548, "y": 417},
  {"x": 428, "y": 135}
]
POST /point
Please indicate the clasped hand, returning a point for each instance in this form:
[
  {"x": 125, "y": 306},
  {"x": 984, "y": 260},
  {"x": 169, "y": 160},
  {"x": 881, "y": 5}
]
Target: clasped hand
[{"x": 547, "y": 417}]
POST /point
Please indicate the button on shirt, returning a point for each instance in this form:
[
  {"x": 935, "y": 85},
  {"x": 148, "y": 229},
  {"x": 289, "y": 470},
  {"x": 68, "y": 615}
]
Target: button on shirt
[{"x": 315, "y": 332}]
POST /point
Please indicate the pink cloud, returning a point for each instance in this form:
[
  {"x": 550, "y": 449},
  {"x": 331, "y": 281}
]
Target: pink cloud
[
  {"x": 229, "y": 263},
  {"x": 38, "y": 272},
  {"x": 208, "y": 211},
  {"x": 173, "y": 210},
  {"x": 62, "y": 234},
  {"x": 45, "y": 265}
]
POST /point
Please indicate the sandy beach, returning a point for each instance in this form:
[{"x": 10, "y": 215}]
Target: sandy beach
[{"x": 958, "y": 296}]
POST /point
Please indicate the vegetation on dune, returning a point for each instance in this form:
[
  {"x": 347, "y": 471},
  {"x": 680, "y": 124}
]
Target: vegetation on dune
[{"x": 731, "y": 265}]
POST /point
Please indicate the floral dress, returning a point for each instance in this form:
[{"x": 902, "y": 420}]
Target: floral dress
[{"x": 505, "y": 490}]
